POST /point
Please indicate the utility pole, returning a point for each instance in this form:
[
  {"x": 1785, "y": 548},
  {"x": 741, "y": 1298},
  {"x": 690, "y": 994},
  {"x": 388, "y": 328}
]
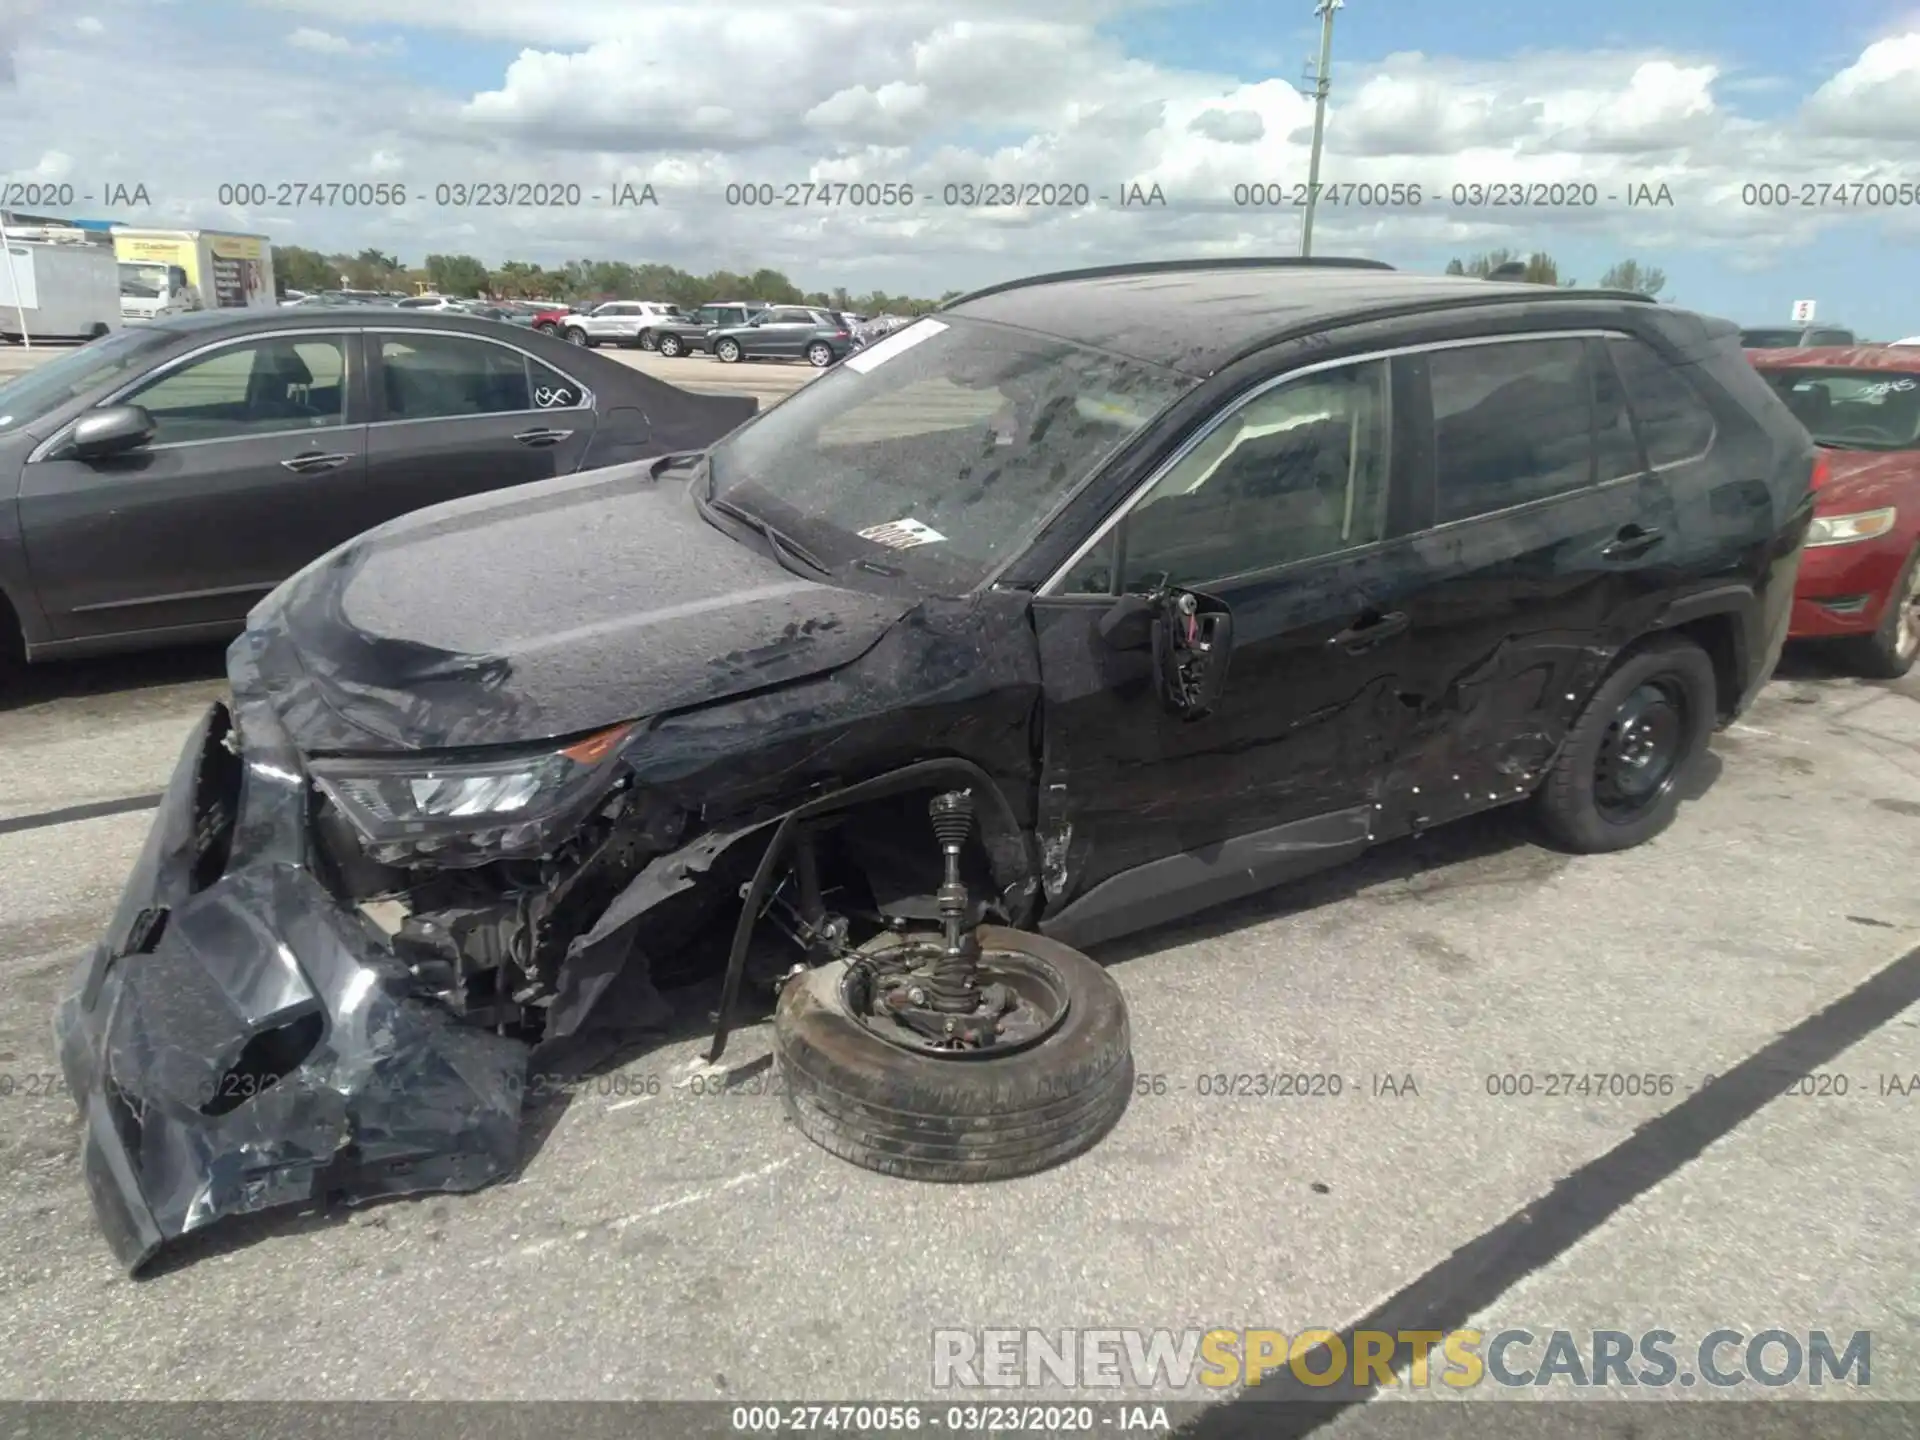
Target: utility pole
[{"x": 1322, "y": 82}]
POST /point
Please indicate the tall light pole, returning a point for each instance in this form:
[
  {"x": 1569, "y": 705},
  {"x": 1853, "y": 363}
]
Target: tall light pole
[{"x": 1322, "y": 82}]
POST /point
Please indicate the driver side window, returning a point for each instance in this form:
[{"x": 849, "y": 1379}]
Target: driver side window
[
  {"x": 1294, "y": 474},
  {"x": 262, "y": 388}
]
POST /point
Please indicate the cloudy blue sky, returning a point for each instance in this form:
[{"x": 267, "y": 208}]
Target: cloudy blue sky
[{"x": 1705, "y": 98}]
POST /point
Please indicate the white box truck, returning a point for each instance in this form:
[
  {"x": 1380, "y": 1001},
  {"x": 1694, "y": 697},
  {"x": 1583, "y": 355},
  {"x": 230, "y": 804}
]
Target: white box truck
[
  {"x": 165, "y": 272},
  {"x": 55, "y": 291}
]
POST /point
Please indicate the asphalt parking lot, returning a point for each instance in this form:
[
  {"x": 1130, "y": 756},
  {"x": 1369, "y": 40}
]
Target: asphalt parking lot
[{"x": 668, "y": 1241}]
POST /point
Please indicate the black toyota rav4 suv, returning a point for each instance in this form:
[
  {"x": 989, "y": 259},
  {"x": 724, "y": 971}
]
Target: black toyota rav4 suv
[{"x": 1085, "y": 602}]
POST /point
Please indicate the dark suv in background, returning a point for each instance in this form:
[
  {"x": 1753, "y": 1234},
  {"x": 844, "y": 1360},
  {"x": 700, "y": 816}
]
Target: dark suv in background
[
  {"x": 689, "y": 336},
  {"x": 785, "y": 332},
  {"x": 1100, "y": 598}
]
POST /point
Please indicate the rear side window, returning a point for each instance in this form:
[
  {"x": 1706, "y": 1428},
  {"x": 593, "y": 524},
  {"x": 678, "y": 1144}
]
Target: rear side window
[
  {"x": 1675, "y": 423},
  {"x": 1513, "y": 422},
  {"x": 442, "y": 377}
]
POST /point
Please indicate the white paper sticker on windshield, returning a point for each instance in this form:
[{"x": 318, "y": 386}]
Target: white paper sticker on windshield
[
  {"x": 897, "y": 343},
  {"x": 902, "y": 534}
]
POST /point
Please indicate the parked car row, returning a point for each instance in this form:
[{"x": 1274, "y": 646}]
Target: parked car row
[{"x": 730, "y": 330}]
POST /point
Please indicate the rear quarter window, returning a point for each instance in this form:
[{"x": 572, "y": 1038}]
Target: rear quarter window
[{"x": 1675, "y": 423}]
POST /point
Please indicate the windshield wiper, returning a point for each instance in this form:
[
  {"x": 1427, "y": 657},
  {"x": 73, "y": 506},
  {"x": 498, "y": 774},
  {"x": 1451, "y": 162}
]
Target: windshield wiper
[{"x": 781, "y": 543}]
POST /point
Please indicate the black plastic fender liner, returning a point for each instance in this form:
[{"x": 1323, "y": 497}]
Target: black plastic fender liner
[
  {"x": 917, "y": 776},
  {"x": 966, "y": 1119}
]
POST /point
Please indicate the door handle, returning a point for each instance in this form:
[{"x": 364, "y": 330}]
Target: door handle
[
  {"x": 302, "y": 464},
  {"x": 1631, "y": 541},
  {"x": 542, "y": 437},
  {"x": 1370, "y": 630}
]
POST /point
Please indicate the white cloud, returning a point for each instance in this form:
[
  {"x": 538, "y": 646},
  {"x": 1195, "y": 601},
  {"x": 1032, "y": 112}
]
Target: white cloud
[
  {"x": 90, "y": 25},
  {"x": 692, "y": 97},
  {"x": 324, "y": 42},
  {"x": 1876, "y": 97}
]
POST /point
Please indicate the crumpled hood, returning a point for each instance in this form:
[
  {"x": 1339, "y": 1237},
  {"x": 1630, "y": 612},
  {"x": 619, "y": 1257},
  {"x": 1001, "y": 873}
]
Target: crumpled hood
[{"x": 543, "y": 610}]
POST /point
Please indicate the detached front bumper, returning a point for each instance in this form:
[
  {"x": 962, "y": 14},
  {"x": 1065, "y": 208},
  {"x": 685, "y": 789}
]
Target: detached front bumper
[{"x": 239, "y": 1040}]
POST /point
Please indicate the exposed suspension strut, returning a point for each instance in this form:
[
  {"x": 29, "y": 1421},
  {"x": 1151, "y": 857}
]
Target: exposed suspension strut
[{"x": 953, "y": 981}]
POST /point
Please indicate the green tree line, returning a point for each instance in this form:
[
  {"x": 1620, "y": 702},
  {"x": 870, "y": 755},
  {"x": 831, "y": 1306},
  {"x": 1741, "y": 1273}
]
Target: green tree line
[
  {"x": 1541, "y": 269},
  {"x": 299, "y": 268}
]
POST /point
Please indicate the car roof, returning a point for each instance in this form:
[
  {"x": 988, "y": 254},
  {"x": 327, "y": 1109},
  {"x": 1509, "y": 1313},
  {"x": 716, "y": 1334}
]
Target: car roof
[
  {"x": 1840, "y": 357},
  {"x": 1196, "y": 316},
  {"x": 212, "y": 323}
]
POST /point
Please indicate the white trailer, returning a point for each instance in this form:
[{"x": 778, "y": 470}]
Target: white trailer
[{"x": 58, "y": 291}]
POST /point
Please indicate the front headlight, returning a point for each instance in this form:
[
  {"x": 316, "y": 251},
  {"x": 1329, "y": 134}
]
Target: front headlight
[
  {"x": 462, "y": 813},
  {"x": 1845, "y": 529}
]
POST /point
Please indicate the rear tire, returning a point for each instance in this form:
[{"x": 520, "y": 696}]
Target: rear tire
[
  {"x": 672, "y": 347},
  {"x": 924, "y": 1117},
  {"x": 1617, "y": 780},
  {"x": 649, "y": 341},
  {"x": 728, "y": 352},
  {"x": 819, "y": 354},
  {"x": 1891, "y": 650},
  {"x": 13, "y": 642}
]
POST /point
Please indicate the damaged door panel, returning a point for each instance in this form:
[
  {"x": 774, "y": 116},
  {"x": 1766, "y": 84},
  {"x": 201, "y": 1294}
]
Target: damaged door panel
[
  {"x": 1145, "y": 812},
  {"x": 1282, "y": 514},
  {"x": 1546, "y": 551}
]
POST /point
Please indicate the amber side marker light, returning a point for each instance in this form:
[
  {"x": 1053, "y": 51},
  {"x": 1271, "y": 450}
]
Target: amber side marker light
[{"x": 597, "y": 747}]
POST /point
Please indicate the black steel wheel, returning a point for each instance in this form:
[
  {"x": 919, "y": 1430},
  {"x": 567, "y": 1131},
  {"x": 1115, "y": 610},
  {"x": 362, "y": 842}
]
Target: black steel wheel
[
  {"x": 896, "y": 1101},
  {"x": 1617, "y": 780},
  {"x": 1640, "y": 750}
]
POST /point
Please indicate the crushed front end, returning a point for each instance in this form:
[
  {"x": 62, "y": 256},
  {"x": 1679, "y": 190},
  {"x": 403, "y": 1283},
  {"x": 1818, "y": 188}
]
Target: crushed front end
[
  {"x": 241, "y": 1040},
  {"x": 284, "y": 1011}
]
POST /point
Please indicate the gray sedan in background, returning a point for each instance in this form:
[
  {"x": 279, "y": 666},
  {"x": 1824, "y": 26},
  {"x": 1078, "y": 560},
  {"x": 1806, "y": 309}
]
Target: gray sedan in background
[{"x": 157, "y": 483}]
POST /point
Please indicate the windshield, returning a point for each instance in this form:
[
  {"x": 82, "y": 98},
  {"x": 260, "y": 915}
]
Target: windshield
[
  {"x": 144, "y": 282},
  {"x": 46, "y": 388},
  {"x": 1853, "y": 409},
  {"x": 940, "y": 451},
  {"x": 1770, "y": 339}
]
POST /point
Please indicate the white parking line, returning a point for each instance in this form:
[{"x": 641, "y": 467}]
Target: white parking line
[{"x": 694, "y": 1199}]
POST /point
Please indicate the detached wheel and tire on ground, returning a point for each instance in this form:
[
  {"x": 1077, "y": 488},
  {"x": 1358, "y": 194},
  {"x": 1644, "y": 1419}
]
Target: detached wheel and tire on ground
[{"x": 958, "y": 1056}]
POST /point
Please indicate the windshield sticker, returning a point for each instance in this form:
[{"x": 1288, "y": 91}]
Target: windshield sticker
[
  {"x": 549, "y": 396},
  {"x": 1887, "y": 387},
  {"x": 902, "y": 534},
  {"x": 895, "y": 344}
]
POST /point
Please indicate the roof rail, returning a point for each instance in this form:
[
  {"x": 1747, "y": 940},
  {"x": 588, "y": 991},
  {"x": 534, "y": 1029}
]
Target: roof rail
[{"x": 1162, "y": 267}]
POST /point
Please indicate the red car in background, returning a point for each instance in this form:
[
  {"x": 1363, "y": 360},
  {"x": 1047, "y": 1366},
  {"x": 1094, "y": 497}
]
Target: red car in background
[{"x": 1860, "y": 577}]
